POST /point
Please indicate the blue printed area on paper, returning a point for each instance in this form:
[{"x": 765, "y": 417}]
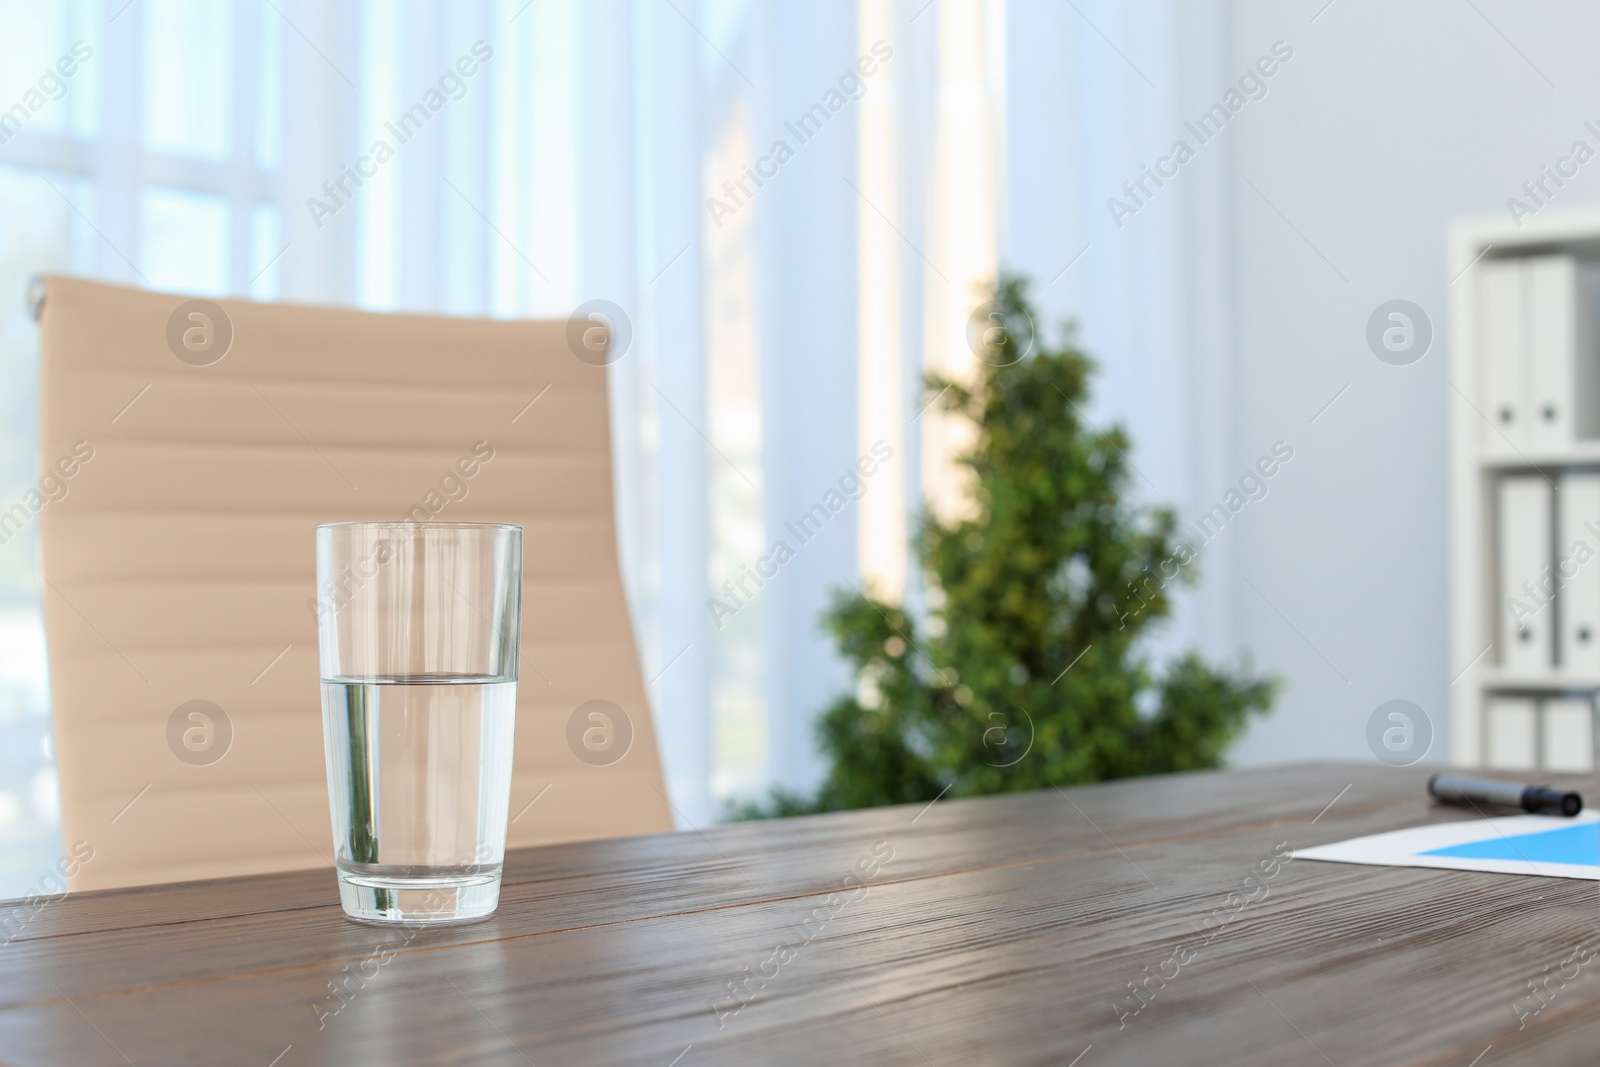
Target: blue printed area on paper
[{"x": 1577, "y": 845}]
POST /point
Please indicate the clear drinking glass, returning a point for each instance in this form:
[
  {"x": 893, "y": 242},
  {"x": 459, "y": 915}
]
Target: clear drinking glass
[{"x": 418, "y": 624}]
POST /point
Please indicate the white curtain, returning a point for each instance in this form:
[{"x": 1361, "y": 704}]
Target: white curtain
[
  {"x": 1093, "y": 90},
  {"x": 783, "y": 306}
]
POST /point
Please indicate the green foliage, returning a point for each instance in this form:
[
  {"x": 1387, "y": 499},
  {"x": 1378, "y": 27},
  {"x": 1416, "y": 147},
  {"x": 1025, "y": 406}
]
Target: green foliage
[{"x": 1026, "y": 672}]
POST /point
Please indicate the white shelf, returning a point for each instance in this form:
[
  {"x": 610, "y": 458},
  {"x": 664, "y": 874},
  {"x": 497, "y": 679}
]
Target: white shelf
[
  {"x": 1583, "y": 453},
  {"x": 1479, "y": 457},
  {"x": 1552, "y": 681}
]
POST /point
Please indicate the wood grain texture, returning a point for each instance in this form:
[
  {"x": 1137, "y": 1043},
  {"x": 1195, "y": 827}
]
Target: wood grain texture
[{"x": 1003, "y": 930}]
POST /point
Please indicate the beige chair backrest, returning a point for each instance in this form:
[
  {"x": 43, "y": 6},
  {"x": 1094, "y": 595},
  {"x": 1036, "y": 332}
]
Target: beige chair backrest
[{"x": 176, "y": 519}]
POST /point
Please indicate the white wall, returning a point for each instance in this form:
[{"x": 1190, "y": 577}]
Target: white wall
[
  {"x": 1316, "y": 203},
  {"x": 1391, "y": 119}
]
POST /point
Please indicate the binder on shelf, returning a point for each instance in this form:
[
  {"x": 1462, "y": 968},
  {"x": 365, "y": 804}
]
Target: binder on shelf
[
  {"x": 1561, "y": 346},
  {"x": 1506, "y": 373},
  {"x": 1567, "y": 735},
  {"x": 1512, "y": 734},
  {"x": 1578, "y": 563},
  {"x": 1525, "y": 605}
]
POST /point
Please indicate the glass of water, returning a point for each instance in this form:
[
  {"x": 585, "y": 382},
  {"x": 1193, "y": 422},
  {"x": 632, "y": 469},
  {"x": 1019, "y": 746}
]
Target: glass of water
[{"x": 418, "y": 624}]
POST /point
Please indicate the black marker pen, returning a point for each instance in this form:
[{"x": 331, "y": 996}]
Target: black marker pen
[{"x": 1539, "y": 799}]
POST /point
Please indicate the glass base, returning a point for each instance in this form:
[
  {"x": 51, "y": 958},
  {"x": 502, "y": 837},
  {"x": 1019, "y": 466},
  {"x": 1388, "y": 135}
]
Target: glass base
[{"x": 432, "y": 899}]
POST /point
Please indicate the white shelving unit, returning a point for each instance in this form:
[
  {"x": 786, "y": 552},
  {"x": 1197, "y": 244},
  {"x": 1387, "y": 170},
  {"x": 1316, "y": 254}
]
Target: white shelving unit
[{"x": 1480, "y": 458}]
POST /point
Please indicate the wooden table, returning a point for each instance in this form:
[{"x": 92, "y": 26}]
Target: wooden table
[{"x": 1001, "y": 930}]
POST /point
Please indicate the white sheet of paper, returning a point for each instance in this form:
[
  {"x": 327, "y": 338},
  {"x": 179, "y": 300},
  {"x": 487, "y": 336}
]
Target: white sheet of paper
[{"x": 1544, "y": 845}]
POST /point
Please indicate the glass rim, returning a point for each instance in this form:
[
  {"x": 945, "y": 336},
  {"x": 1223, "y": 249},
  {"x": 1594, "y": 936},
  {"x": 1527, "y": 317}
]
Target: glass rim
[{"x": 393, "y": 523}]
